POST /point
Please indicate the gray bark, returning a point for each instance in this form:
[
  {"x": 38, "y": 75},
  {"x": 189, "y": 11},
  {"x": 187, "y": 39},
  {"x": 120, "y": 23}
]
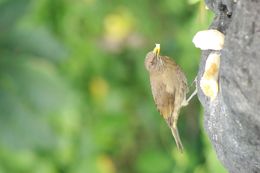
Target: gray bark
[{"x": 232, "y": 120}]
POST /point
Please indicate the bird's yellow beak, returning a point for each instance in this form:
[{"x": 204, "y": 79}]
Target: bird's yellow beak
[{"x": 156, "y": 50}]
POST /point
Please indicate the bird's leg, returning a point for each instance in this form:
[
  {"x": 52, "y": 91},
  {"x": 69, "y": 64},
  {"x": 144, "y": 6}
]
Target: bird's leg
[
  {"x": 195, "y": 80},
  {"x": 192, "y": 95},
  {"x": 186, "y": 102}
]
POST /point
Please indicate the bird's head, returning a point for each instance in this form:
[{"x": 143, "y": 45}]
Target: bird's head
[{"x": 152, "y": 58}]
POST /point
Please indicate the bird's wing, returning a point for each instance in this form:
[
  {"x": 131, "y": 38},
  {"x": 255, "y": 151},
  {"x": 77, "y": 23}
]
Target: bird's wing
[
  {"x": 177, "y": 84},
  {"x": 178, "y": 78},
  {"x": 164, "y": 99},
  {"x": 182, "y": 78}
]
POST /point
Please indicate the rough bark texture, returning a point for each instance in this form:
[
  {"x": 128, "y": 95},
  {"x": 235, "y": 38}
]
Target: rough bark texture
[{"x": 232, "y": 120}]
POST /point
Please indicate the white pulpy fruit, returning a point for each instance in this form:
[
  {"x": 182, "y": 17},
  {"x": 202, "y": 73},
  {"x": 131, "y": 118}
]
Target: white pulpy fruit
[
  {"x": 209, "y": 80},
  {"x": 209, "y": 40}
]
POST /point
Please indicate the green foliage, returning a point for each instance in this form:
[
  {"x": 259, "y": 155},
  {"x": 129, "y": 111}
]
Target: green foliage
[{"x": 74, "y": 94}]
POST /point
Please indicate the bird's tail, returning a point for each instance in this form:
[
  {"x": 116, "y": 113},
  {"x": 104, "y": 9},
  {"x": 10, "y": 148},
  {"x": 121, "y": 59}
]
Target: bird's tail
[{"x": 177, "y": 139}]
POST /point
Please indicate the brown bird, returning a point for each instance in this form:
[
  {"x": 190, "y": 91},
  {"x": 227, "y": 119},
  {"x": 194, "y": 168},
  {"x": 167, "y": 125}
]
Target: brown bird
[{"x": 169, "y": 88}]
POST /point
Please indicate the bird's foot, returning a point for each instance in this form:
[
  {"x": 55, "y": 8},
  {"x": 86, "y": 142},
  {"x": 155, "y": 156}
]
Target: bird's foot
[{"x": 186, "y": 101}]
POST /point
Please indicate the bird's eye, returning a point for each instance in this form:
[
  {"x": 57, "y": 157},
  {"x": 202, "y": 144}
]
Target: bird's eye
[{"x": 152, "y": 62}]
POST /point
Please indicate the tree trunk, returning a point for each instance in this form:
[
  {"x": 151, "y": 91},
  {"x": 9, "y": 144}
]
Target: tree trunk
[{"x": 232, "y": 120}]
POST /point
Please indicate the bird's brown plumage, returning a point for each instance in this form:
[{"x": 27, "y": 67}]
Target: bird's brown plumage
[{"x": 169, "y": 89}]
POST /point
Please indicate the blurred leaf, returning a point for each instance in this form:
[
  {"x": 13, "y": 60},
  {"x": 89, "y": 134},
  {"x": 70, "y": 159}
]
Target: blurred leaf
[
  {"x": 26, "y": 98},
  {"x": 98, "y": 88},
  {"x": 194, "y": 1},
  {"x": 105, "y": 164},
  {"x": 213, "y": 163},
  {"x": 152, "y": 161},
  {"x": 35, "y": 42},
  {"x": 10, "y": 12}
]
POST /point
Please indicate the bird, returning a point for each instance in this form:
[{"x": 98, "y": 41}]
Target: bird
[{"x": 169, "y": 89}]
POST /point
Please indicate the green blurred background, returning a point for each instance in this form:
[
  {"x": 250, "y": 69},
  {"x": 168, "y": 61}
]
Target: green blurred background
[{"x": 74, "y": 93}]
